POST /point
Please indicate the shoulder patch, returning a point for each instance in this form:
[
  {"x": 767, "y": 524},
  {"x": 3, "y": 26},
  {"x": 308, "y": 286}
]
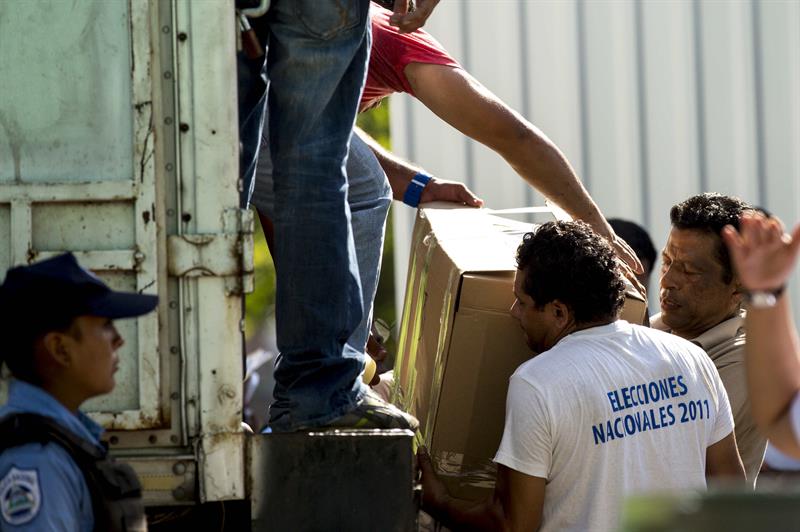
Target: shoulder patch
[{"x": 20, "y": 497}]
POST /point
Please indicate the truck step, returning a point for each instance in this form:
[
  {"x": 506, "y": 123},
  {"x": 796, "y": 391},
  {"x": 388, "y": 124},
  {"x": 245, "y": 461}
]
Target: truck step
[{"x": 349, "y": 480}]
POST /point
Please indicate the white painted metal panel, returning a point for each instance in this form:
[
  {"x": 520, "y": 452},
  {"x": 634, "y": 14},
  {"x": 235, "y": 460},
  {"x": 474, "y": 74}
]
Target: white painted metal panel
[
  {"x": 611, "y": 124},
  {"x": 553, "y": 82},
  {"x": 211, "y": 306},
  {"x": 777, "y": 27},
  {"x": 779, "y": 32},
  {"x": 76, "y": 166},
  {"x": 174, "y": 191},
  {"x": 669, "y": 143},
  {"x": 729, "y": 104},
  {"x": 85, "y": 132},
  {"x": 651, "y": 101},
  {"x": 495, "y": 181}
]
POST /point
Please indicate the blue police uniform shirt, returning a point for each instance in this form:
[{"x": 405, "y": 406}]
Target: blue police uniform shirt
[{"x": 41, "y": 487}]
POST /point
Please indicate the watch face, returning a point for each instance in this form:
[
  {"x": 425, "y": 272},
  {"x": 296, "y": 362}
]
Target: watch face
[{"x": 762, "y": 299}]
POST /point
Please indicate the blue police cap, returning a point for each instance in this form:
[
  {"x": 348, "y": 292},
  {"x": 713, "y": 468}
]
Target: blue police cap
[{"x": 56, "y": 290}]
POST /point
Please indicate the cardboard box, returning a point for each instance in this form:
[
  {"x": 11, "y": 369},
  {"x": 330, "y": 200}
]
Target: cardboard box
[{"x": 458, "y": 345}]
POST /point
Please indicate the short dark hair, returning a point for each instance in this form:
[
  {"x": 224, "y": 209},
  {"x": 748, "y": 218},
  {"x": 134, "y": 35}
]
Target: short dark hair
[
  {"x": 569, "y": 262},
  {"x": 636, "y": 237},
  {"x": 710, "y": 212},
  {"x": 20, "y": 349}
]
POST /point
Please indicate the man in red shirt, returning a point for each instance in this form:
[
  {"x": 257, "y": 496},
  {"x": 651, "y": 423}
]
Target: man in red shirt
[{"x": 417, "y": 64}]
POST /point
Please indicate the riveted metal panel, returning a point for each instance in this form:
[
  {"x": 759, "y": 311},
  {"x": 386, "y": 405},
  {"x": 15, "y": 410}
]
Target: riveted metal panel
[
  {"x": 210, "y": 306},
  {"x": 165, "y": 72},
  {"x": 76, "y": 169},
  {"x": 65, "y": 114}
]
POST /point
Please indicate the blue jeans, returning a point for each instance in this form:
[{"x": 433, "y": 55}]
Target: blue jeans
[
  {"x": 316, "y": 64},
  {"x": 369, "y": 196}
]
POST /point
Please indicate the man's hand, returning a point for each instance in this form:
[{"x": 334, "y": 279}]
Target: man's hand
[
  {"x": 452, "y": 191},
  {"x": 407, "y": 22},
  {"x": 629, "y": 274},
  {"x": 434, "y": 492},
  {"x": 762, "y": 254},
  {"x": 375, "y": 347},
  {"x": 627, "y": 254},
  {"x": 600, "y": 225},
  {"x": 623, "y": 251}
]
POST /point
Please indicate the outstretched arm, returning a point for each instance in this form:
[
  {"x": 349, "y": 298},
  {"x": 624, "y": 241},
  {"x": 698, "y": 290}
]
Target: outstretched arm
[
  {"x": 764, "y": 257},
  {"x": 461, "y": 101},
  {"x": 401, "y": 172}
]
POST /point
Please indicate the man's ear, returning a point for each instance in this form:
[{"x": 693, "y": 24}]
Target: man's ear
[
  {"x": 56, "y": 348},
  {"x": 561, "y": 313}
]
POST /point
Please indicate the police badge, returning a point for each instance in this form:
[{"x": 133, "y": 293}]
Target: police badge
[{"x": 20, "y": 497}]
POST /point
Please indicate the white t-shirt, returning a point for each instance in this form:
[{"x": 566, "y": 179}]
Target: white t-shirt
[{"x": 612, "y": 411}]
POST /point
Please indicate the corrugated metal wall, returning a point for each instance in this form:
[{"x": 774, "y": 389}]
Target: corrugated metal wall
[{"x": 652, "y": 102}]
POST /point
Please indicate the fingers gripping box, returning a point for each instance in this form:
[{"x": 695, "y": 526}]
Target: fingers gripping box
[{"x": 458, "y": 345}]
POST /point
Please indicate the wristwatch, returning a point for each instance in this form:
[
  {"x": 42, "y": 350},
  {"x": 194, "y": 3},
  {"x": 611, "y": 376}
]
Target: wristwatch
[{"x": 763, "y": 298}]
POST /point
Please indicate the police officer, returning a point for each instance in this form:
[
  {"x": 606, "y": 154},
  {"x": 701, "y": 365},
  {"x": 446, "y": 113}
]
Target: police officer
[{"x": 60, "y": 344}]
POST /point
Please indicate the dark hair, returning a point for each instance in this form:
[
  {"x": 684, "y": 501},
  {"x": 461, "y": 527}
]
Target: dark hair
[
  {"x": 710, "y": 212},
  {"x": 636, "y": 237},
  {"x": 19, "y": 352},
  {"x": 569, "y": 262}
]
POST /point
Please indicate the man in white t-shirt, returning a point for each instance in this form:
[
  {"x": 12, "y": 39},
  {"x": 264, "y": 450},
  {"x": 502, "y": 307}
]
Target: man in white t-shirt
[{"x": 606, "y": 410}]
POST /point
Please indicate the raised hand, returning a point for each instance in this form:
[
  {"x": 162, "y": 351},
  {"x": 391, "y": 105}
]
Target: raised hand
[{"x": 762, "y": 254}]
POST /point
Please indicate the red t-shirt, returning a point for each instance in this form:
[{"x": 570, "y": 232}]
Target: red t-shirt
[{"x": 391, "y": 52}]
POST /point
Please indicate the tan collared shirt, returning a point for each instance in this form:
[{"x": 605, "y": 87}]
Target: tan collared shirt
[{"x": 724, "y": 344}]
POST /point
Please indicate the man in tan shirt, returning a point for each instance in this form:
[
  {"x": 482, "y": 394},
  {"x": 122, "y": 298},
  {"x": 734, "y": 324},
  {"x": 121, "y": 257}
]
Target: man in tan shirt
[{"x": 701, "y": 301}]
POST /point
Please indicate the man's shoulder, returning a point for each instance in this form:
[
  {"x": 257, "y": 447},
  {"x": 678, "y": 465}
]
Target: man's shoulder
[
  {"x": 657, "y": 323},
  {"x": 725, "y": 342},
  {"x": 648, "y": 343},
  {"x": 568, "y": 359},
  {"x": 666, "y": 337},
  {"x": 633, "y": 334},
  {"x": 660, "y": 336},
  {"x": 541, "y": 374}
]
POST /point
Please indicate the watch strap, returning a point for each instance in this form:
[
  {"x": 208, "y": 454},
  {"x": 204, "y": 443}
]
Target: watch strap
[
  {"x": 763, "y": 298},
  {"x": 415, "y": 187}
]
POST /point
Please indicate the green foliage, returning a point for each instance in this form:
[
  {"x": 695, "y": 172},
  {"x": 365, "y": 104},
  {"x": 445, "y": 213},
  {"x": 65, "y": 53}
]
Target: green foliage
[
  {"x": 376, "y": 123},
  {"x": 260, "y": 304}
]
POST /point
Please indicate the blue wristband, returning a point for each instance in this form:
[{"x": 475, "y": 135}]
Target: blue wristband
[{"x": 415, "y": 188}]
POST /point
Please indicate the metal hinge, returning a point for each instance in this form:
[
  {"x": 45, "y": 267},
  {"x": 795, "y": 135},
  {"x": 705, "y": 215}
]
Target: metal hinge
[{"x": 228, "y": 254}]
